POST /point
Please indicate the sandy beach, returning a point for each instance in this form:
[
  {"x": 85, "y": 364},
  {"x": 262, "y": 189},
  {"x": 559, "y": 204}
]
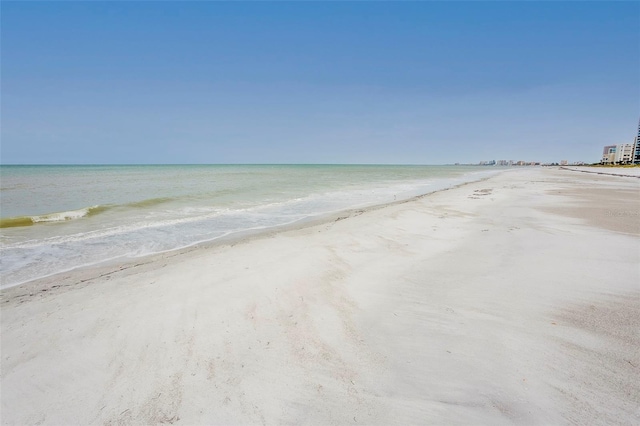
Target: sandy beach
[{"x": 512, "y": 300}]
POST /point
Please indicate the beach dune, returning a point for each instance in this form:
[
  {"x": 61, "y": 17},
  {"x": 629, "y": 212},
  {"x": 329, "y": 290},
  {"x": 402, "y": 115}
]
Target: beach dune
[{"x": 512, "y": 300}]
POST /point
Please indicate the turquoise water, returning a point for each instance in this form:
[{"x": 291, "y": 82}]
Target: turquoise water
[{"x": 56, "y": 218}]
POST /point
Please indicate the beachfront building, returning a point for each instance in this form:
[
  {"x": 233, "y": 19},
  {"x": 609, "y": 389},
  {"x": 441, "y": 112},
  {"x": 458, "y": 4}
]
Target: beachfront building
[
  {"x": 619, "y": 154},
  {"x": 624, "y": 153},
  {"x": 608, "y": 154},
  {"x": 636, "y": 149}
]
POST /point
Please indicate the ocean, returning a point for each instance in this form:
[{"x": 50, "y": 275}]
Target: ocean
[{"x": 57, "y": 218}]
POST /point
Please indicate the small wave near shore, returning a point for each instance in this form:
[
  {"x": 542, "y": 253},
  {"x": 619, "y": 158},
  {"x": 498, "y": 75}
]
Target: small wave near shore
[{"x": 12, "y": 222}]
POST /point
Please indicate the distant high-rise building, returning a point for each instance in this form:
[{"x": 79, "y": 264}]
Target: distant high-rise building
[{"x": 636, "y": 146}]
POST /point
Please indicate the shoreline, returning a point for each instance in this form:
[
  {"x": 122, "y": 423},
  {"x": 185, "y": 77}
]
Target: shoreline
[
  {"x": 508, "y": 300},
  {"x": 115, "y": 265}
]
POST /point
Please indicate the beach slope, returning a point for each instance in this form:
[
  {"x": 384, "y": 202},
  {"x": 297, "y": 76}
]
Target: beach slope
[{"x": 511, "y": 300}]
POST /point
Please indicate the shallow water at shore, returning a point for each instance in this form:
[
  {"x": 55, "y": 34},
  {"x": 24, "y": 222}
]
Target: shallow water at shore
[{"x": 56, "y": 218}]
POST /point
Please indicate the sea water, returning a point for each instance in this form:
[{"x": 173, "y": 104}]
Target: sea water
[{"x": 57, "y": 218}]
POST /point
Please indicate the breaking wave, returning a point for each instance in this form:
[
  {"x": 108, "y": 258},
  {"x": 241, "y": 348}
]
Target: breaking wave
[{"x": 12, "y": 222}]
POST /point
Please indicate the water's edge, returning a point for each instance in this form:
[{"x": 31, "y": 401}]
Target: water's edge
[{"x": 84, "y": 274}]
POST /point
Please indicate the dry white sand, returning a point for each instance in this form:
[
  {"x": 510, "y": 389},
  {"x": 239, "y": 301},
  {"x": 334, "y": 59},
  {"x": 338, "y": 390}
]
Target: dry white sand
[
  {"x": 515, "y": 300},
  {"x": 616, "y": 171}
]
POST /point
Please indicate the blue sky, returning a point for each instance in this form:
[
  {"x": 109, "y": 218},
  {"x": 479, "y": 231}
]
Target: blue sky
[{"x": 317, "y": 82}]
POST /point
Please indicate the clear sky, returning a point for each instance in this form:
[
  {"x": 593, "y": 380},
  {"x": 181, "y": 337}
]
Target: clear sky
[{"x": 317, "y": 82}]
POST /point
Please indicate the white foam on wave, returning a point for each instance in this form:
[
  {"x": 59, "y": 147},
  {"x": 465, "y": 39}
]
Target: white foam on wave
[
  {"x": 62, "y": 216},
  {"x": 68, "y": 215},
  {"x": 108, "y": 232}
]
